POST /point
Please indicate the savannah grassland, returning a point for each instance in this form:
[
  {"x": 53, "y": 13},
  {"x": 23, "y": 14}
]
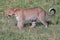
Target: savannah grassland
[{"x": 9, "y": 30}]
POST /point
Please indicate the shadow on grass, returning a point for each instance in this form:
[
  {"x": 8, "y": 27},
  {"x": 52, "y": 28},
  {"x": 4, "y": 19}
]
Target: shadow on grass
[{"x": 37, "y": 24}]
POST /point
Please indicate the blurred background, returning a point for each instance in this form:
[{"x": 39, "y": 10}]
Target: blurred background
[{"x": 9, "y": 30}]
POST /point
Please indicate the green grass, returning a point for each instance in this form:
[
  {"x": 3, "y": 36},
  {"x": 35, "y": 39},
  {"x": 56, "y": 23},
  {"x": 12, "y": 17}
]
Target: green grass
[{"x": 9, "y": 31}]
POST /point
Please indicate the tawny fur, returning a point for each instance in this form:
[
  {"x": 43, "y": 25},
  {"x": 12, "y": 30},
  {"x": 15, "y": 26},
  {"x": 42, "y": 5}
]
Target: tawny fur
[{"x": 22, "y": 14}]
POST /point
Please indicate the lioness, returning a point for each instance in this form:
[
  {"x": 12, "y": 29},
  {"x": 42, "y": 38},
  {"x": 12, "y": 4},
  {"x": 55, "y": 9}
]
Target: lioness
[{"x": 22, "y": 14}]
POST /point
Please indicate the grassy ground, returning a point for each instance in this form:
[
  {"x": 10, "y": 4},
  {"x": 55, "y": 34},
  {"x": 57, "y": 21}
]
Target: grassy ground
[{"x": 9, "y": 31}]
